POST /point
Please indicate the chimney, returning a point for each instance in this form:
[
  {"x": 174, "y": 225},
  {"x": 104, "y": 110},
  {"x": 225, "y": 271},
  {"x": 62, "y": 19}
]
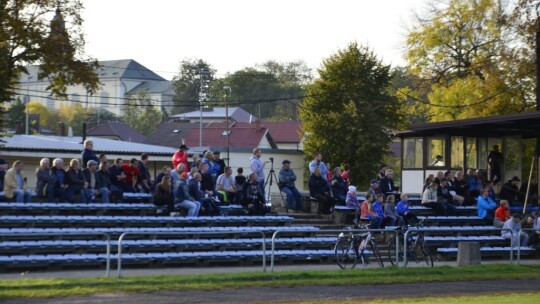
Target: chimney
[
  {"x": 83, "y": 132},
  {"x": 258, "y": 125},
  {"x": 62, "y": 128}
]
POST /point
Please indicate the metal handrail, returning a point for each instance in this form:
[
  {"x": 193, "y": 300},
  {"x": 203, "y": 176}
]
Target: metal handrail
[
  {"x": 106, "y": 236},
  {"x": 326, "y": 231},
  {"x": 123, "y": 236},
  {"x": 519, "y": 242},
  {"x": 430, "y": 229}
]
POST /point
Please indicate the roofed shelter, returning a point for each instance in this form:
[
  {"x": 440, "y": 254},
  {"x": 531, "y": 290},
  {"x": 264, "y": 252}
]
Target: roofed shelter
[{"x": 465, "y": 144}]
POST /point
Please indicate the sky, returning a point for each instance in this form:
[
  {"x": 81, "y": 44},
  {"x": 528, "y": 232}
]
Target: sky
[{"x": 234, "y": 34}]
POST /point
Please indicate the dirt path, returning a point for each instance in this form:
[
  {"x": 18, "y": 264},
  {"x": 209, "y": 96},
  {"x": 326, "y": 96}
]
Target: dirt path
[{"x": 284, "y": 294}]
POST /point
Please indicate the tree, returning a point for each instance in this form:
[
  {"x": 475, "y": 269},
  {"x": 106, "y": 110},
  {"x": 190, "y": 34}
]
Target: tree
[
  {"x": 349, "y": 112},
  {"x": 141, "y": 114},
  {"x": 72, "y": 114},
  {"x": 36, "y": 107},
  {"x": 469, "y": 57},
  {"x": 29, "y": 36},
  {"x": 188, "y": 84}
]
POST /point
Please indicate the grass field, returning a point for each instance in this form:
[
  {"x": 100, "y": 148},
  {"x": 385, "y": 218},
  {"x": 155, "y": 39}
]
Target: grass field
[{"x": 25, "y": 287}]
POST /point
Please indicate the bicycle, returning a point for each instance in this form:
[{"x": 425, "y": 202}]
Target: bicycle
[
  {"x": 417, "y": 247},
  {"x": 351, "y": 247}
]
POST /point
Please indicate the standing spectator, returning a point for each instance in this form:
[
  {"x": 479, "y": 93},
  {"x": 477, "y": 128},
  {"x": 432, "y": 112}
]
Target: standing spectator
[
  {"x": 207, "y": 203},
  {"x": 143, "y": 180},
  {"x": 14, "y": 184},
  {"x": 254, "y": 199},
  {"x": 387, "y": 183},
  {"x": 76, "y": 181},
  {"x": 320, "y": 190},
  {"x": 514, "y": 224},
  {"x": 378, "y": 207},
  {"x": 88, "y": 153},
  {"x": 257, "y": 167},
  {"x": 510, "y": 191},
  {"x": 502, "y": 214},
  {"x": 352, "y": 202},
  {"x": 390, "y": 210},
  {"x": 3, "y": 168},
  {"x": 368, "y": 212},
  {"x": 118, "y": 176},
  {"x": 219, "y": 161},
  {"x": 287, "y": 177},
  {"x": 404, "y": 210},
  {"x": 61, "y": 186},
  {"x": 495, "y": 161},
  {"x": 226, "y": 185},
  {"x": 317, "y": 162},
  {"x": 131, "y": 172},
  {"x": 181, "y": 157},
  {"x": 46, "y": 180},
  {"x": 182, "y": 198},
  {"x": 382, "y": 172},
  {"x": 339, "y": 186},
  {"x": 486, "y": 207},
  {"x": 95, "y": 185},
  {"x": 345, "y": 174}
]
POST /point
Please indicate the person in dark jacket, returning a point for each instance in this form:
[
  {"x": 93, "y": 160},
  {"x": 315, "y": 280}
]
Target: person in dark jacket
[
  {"x": 46, "y": 180},
  {"x": 95, "y": 187},
  {"x": 510, "y": 191},
  {"x": 163, "y": 194},
  {"x": 182, "y": 198},
  {"x": 387, "y": 183},
  {"x": 320, "y": 190},
  {"x": 88, "y": 153},
  {"x": 287, "y": 177},
  {"x": 77, "y": 184},
  {"x": 208, "y": 203},
  {"x": 253, "y": 197},
  {"x": 60, "y": 186},
  {"x": 339, "y": 186}
]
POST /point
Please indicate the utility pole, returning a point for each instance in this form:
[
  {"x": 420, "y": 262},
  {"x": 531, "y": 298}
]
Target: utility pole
[
  {"x": 228, "y": 92},
  {"x": 204, "y": 92}
]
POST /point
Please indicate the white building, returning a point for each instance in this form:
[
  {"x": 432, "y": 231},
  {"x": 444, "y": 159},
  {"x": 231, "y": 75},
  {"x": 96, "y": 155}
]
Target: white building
[{"x": 119, "y": 79}]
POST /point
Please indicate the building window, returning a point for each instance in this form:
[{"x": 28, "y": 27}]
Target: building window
[
  {"x": 471, "y": 153},
  {"x": 457, "y": 152},
  {"x": 436, "y": 155},
  {"x": 412, "y": 153}
]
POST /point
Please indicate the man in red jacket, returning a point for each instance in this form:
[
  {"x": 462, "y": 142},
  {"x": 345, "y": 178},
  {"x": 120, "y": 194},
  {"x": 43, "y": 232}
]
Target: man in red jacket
[{"x": 181, "y": 156}]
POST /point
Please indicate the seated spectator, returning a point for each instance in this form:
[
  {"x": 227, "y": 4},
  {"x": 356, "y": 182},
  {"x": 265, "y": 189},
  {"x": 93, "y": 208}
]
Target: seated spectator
[
  {"x": 486, "y": 207},
  {"x": 219, "y": 163},
  {"x": 77, "y": 184},
  {"x": 462, "y": 189},
  {"x": 240, "y": 181},
  {"x": 104, "y": 181},
  {"x": 443, "y": 193},
  {"x": 14, "y": 184},
  {"x": 367, "y": 212},
  {"x": 61, "y": 186},
  {"x": 535, "y": 235},
  {"x": 253, "y": 197},
  {"x": 102, "y": 158},
  {"x": 490, "y": 188},
  {"x": 339, "y": 186},
  {"x": 390, "y": 211},
  {"x": 3, "y": 168},
  {"x": 378, "y": 207},
  {"x": 428, "y": 181},
  {"x": 450, "y": 184},
  {"x": 404, "y": 210},
  {"x": 118, "y": 176},
  {"x": 287, "y": 177},
  {"x": 374, "y": 189},
  {"x": 510, "y": 191},
  {"x": 529, "y": 223},
  {"x": 95, "y": 186},
  {"x": 196, "y": 161},
  {"x": 226, "y": 185},
  {"x": 352, "y": 202},
  {"x": 475, "y": 182},
  {"x": 208, "y": 185},
  {"x": 163, "y": 193},
  {"x": 502, "y": 214},
  {"x": 182, "y": 198},
  {"x": 387, "y": 183},
  {"x": 165, "y": 172},
  {"x": 320, "y": 190},
  {"x": 131, "y": 172},
  {"x": 439, "y": 177},
  {"x": 143, "y": 179},
  {"x": 208, "y": 205},
  {"x": 430, "y": 199},
  {"x": 514, "y": 224},
  {"x": 46, "y": 180},
  {"x": 175, "y": 173}
]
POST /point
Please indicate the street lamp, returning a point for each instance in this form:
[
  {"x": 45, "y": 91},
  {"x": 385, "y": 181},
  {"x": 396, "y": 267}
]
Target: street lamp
[
  {"x": 228, "y": 92},
  {"x": 203, "y": 95}
]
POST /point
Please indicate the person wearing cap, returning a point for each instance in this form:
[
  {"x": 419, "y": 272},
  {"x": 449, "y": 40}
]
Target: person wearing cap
[
  {"x": 88, "y": 153},
  {"x": 183, "y": 199},
  {"x": 287, "y": 177},
  {"x": 95, "y": 185},
  {"x": 339, "y": 186},
  {"x": 374, "y": 189},
  {"x": 220, "y": 162},
  {"x": 514, "y": 224},
  {"x": 352, "y": 202},
  {"x": 77, "y": 184},
  {"x": 181, "y": 157},
  {"x": 510, "y": 191}
]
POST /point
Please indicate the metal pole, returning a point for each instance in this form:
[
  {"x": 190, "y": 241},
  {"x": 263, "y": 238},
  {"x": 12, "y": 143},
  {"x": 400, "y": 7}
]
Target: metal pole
[
  {"x": 27, "y": 117},
  {"x": 228, "y": 92},
  {"x": 528, "y": 187}
]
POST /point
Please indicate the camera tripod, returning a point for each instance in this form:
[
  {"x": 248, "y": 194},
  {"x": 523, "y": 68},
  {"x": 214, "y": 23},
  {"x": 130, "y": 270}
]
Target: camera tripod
[{"x": 270, "y": 180}]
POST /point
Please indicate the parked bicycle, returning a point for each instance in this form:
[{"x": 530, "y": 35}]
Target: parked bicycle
[
  {"x": 417, "y": 247},
  {"x": 351, "y": 248}
]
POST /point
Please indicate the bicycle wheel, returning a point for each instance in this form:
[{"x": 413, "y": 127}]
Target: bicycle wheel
[
  {"x": 345, "y": 254},
  {"x": 376, "y": 253},
  {"x": 423, "y": 254},
  {"x": 392, "y": 253}
]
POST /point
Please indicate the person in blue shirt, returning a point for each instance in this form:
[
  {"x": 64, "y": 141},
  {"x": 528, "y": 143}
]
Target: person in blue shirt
[
  {"x": 486, "y": 207},
  {"x": 404, "y": 210},
  {"x": 378, "y": 206}
]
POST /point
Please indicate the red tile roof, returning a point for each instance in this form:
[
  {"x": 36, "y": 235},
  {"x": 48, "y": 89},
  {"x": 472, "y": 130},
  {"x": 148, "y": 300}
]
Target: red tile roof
[
  {"x": 242, "y": 135},
  {"x": 284, "y": 131}
]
